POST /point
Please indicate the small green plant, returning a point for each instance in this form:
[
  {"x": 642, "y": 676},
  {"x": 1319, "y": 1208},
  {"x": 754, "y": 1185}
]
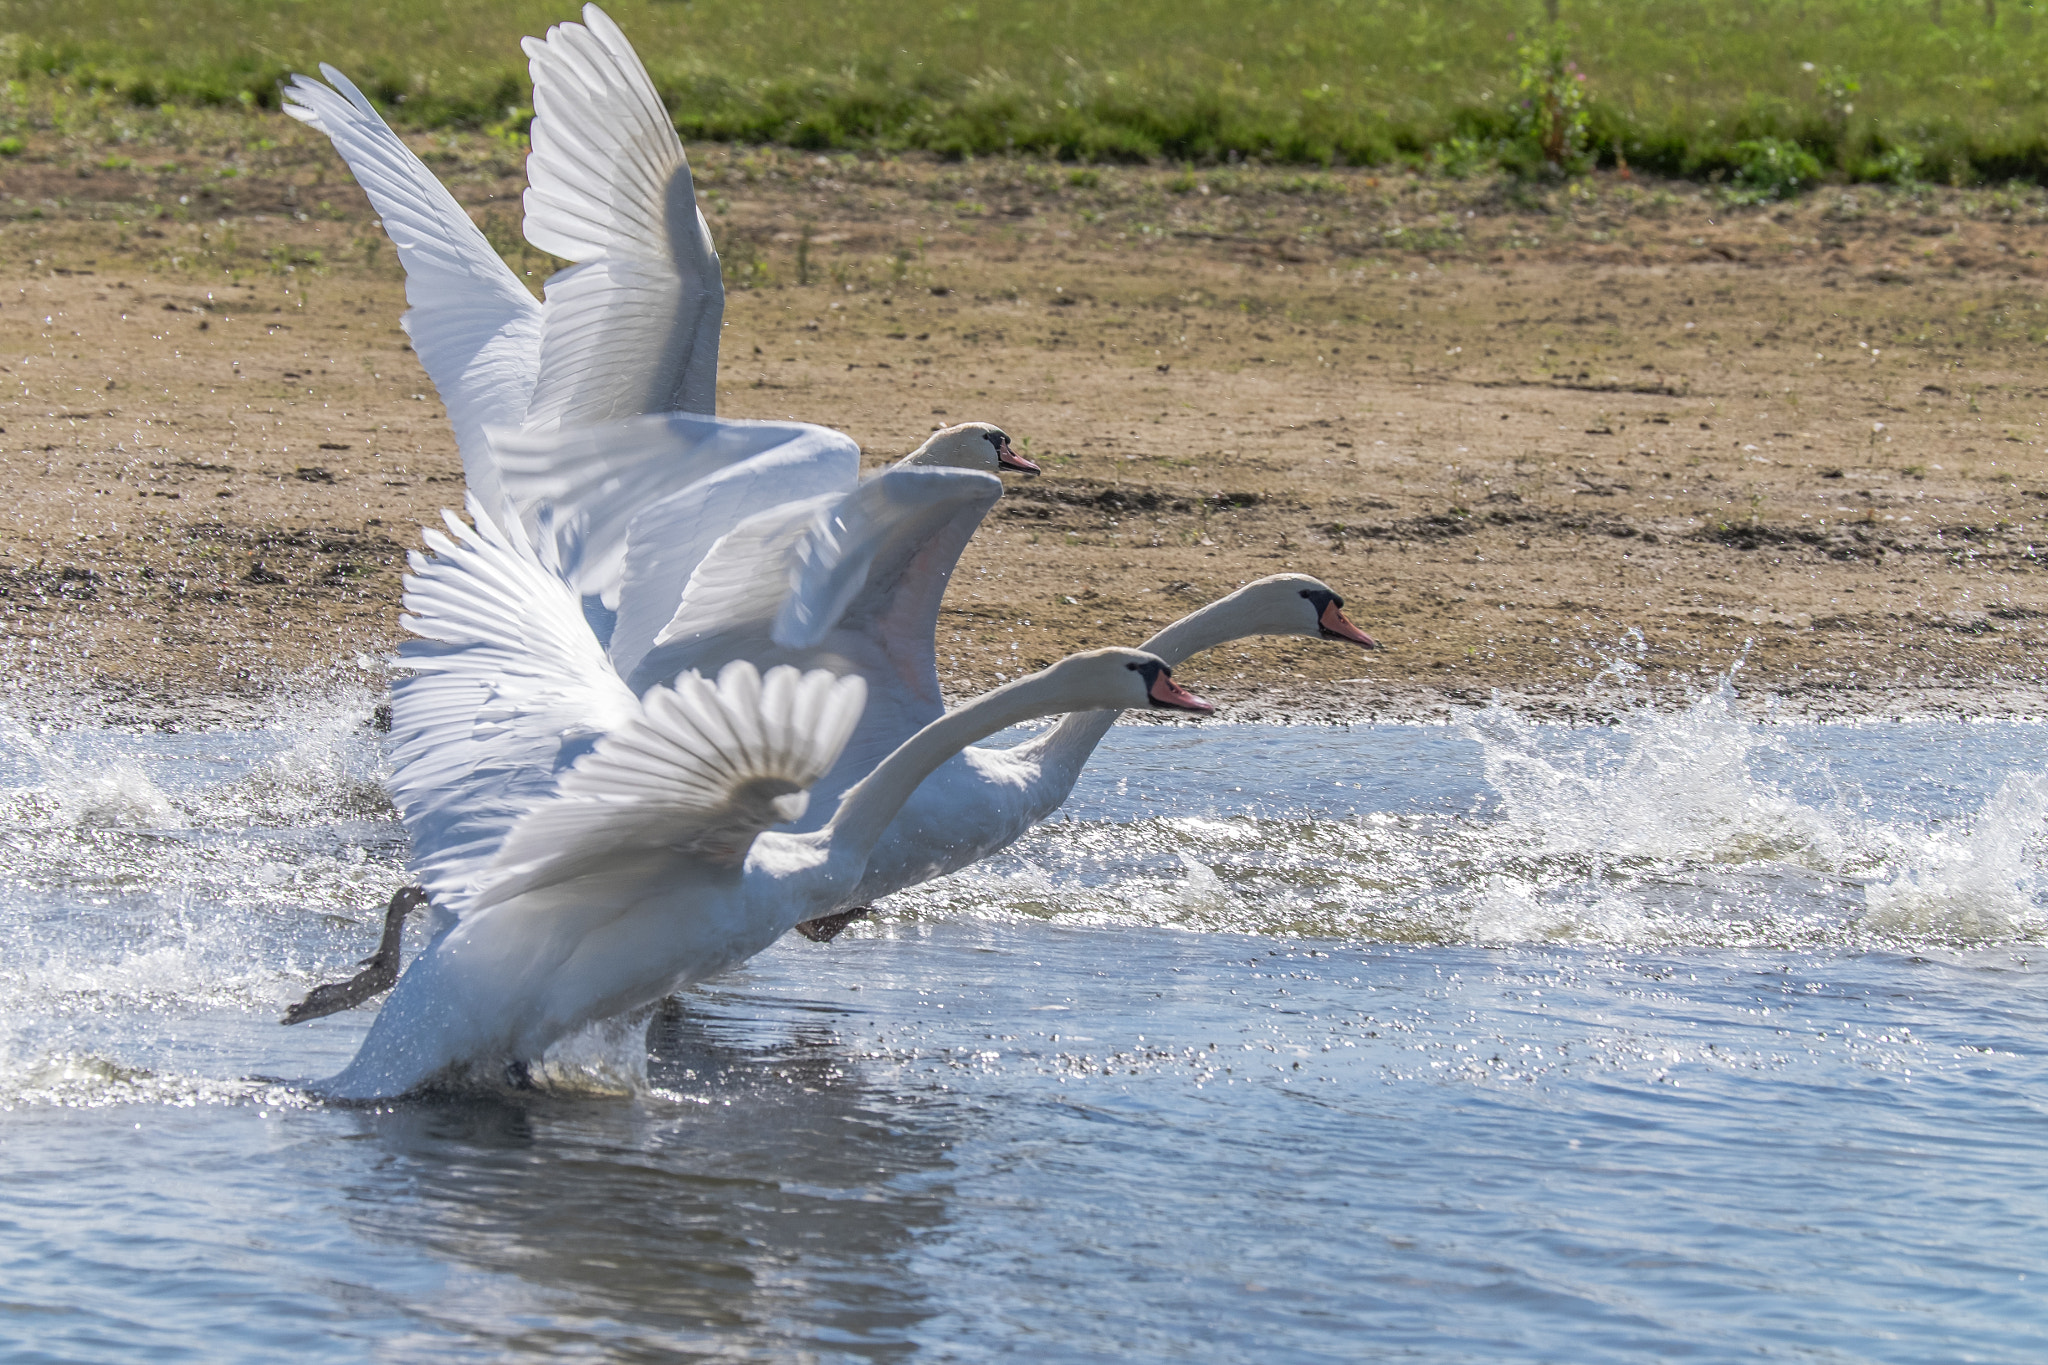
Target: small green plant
[
  {"x": 512, "y": 130},
  {"x": 1552, "y": 112},
  {"x": 1837, "y": 90},
  {"x": 1772, "y": 168},
  {"x": 1309, "y": 185},
  {"x": 1184, "y": 183},
  {"x": 11, "y": 146},
  {"x": 1898, "y": 166},
  {"x": 1464, "y": 157},
  {"x": 1086, "y": 178}
]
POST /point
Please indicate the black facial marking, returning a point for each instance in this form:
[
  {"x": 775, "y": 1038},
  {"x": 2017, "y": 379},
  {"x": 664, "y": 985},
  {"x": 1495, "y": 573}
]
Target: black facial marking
[{"x": 995, "y": 438}]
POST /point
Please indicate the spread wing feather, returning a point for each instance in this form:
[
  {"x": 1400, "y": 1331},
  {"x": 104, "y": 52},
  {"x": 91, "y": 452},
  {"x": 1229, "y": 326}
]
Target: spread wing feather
[
  {"x": 634, "y": 327},
  {"x": 867, "y": 543},
  {"x": 596, "y": 484},
  {"x": 474, "y": 325},
  {"x": 702, "y": 769},
  {"x": 666, "y": 542},
  {"x": 506, "y": 686}
]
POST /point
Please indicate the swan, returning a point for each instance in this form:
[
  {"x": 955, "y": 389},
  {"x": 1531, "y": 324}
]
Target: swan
[
  {"x": 573, "y": 491},
  {"x": 1003, "y": 792},
  {"x": 652, "y": 861}
]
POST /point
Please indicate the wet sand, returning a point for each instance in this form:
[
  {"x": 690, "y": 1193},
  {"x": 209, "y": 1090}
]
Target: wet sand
[{"x": 1526, "y": 431}]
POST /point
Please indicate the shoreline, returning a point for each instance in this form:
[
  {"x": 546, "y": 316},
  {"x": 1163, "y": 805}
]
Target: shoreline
[
  {"x": 57, "y": 701},
  {"x": 1609, "y": 419}
]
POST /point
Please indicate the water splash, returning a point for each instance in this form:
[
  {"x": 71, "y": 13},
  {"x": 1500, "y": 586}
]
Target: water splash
[
  {"x": 1981, "y": 882},
  {"x": 1701, "y": 826}
]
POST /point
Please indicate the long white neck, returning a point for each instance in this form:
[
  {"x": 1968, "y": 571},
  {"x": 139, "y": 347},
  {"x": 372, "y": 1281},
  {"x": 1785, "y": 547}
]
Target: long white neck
[
  {"x": 868, "y": 807},
  {"x": 1063, "y": 749}
]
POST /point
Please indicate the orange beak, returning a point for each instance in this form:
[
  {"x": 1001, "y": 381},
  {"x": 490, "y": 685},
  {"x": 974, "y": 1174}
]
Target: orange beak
[
  {"x": 1171, "y": 695},
  {"x": 1336, "y": 626},
  {"x": 1010, "y": 459}
]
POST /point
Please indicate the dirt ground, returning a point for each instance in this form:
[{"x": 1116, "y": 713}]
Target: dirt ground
[{"x": 1527, "y": 431}]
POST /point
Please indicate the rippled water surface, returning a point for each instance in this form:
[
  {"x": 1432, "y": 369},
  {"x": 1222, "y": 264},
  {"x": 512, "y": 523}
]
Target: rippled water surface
[{"x": 1689, "y": 1037}]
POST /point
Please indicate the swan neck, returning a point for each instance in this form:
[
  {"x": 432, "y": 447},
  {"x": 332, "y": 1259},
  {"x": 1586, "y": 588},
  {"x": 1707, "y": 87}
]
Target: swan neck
[
  {"x": 1216, "y": 624},
  {"x": 868, "y": 807},
  {"x": 1075, "y": 737}
]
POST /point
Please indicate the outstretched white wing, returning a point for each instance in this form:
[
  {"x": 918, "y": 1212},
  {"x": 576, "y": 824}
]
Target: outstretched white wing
[
  {"x": 595, "y": 484},
  {"x": 890, "y": 545},
  {"x": 633, "y": 328},
  {"x": 852, "y": 583},
  {"x": 507, "y": 685},
  {"x": 874, "y": 560},
  {"x": 475, "y": 327},
  {"x": 666, "y": 542},
  {"x": 702, "y": 770}
]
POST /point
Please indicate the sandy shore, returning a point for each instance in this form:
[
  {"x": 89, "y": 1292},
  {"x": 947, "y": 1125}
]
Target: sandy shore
[{"x": 1527, "y": 432}]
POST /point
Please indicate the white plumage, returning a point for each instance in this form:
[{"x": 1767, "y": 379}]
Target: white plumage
[
  {"x": 631, "y": 328},
  {"x": 700, "y": 770},
  {"x": 474, "y": 325},
  {"x": 578, "y": 885}
]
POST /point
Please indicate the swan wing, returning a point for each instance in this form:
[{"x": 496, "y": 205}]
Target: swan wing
[
  {"x": 474, "y": 325},
  {"x": 585, "y": 486},
  {"x": 874, "y": 560},
  {"x": 505, "y": 685},
  {"x": 701, "y": 770},
  {"x": 667, "y": 541},
  {"x": 633, "y": 327},
  {"x": 851, "y": 582},
  {"x": 883, "y": 555}
]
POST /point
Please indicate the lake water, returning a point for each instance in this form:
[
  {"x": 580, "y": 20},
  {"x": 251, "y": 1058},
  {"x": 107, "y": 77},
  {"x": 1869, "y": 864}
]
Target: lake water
[{"x": 1685, "y": 1038}]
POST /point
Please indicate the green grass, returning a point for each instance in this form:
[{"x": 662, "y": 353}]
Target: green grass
[{"x": 1681, "y": 87}]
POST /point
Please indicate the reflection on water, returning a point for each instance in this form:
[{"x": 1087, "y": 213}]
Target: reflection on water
[
  {"x": 761, "y": 1196},
  {"x": 1481, "y": 1042}
]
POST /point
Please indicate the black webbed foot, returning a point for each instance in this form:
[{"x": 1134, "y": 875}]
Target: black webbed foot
[
  {"x": 825, "y": 928},
  {"x": 380, "y": 969}
]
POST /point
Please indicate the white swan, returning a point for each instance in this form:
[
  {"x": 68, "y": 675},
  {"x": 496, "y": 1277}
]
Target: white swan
[
  {"x": 576, "y": 492},
  {"x": 651, "y": 861},
  {"x": 631, "y": 328},
  {"x": 631, "y": 331}
]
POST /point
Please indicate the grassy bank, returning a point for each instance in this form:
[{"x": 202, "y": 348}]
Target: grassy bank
[{"x": 1772, "y": 93}]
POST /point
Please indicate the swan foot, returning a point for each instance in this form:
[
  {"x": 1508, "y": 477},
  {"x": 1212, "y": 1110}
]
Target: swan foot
[
  {"x": 380, "y": 969},
  {"x": 825, "y": 928}
]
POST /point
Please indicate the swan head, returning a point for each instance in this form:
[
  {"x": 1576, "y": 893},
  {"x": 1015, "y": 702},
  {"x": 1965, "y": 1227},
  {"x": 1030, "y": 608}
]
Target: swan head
[
  {"x": 1295, "y": 604},
  {"x": 971, "y": 445},
  {"x": 1120, "y": 680}
]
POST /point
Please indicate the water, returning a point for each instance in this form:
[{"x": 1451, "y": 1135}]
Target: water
[{"x": 1690, "y": 1037}]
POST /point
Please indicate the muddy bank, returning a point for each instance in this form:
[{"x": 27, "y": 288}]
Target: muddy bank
[{"x": 1525, "y": 431}]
